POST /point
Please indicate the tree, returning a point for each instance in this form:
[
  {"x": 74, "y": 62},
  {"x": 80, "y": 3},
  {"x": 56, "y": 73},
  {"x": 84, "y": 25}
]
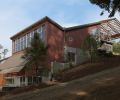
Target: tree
[
  {"x": 116, "y": 48},
  {"x": 0, "y": 56},
  {"x": 0, "y": 52},
  {"x": 90, "y": 44},
  {"x": 1, "y": 46},
  {"x": 35, "y": 55},
  {"x": 112, "y": 6},
  {"x": 4, "y": 52}
]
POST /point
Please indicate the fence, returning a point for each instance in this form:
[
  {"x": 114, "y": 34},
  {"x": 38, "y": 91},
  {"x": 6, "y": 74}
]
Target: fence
[{"x": 57, "y": 66}]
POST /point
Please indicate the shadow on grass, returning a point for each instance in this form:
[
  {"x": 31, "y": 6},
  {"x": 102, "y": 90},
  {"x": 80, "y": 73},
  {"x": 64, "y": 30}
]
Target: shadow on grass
[{"x": 104, "y": 89}]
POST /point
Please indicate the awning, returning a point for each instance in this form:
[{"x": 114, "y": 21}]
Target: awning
[{"x": 12, "y": 64}]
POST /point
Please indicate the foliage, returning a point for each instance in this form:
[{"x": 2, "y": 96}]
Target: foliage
[
  {"x": 1, "y": 46},
  {"x": 90, "y": 44},
  {"x": 3, "y": 52},
  {"x": 116, "y": 48},
  {"x": 112, "y": 6},
  {"x": 35, "y": 55}
]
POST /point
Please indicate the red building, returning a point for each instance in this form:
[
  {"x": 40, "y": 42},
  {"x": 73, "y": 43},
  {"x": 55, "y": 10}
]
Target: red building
[{"x": 62, "y": 42}]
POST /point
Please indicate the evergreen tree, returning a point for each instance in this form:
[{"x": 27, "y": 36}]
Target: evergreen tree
[
  {"x": 90, "y": 45},
  {"x": 112, "y": 6},
  {"x": 35, "y": 55}
]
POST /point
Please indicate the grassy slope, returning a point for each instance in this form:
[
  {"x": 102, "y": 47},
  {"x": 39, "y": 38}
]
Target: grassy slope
[
  {"x": 109, "y": 90},
  {"x": 89, "y": 68}
]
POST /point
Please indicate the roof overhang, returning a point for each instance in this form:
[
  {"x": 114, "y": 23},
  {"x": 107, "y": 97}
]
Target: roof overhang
[{"x": 41, "y": 21}]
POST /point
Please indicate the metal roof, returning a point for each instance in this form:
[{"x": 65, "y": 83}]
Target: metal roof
[
  {"x": 12, "y": 64},
  {"x": 46, "y": 18}
]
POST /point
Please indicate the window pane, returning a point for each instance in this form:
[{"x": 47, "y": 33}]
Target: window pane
[
  {"x": 43, "y": 32},
  {"x": 10, "y": 81},
  {"x": 28, "y": 39},
  {"x": 15, "y": 45},
  {"x": 24, "y": 42},
  {"x": 30, "y": 80}
]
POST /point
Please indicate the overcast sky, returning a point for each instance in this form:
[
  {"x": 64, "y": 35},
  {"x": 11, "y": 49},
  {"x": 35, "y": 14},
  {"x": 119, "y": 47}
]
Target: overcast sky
[{"x": 18, "y": 14}]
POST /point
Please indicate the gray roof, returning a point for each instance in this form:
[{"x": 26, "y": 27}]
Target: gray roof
[{"x": 46, "y": 18}]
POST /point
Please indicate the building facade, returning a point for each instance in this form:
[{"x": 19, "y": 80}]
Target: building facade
[{"x": 63, "y": 43}]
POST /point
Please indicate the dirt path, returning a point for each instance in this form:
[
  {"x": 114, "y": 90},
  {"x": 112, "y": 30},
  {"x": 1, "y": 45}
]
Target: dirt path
[{"x": 77, "y": 87}]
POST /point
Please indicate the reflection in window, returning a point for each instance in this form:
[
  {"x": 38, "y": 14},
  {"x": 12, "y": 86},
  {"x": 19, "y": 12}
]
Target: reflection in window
[
  {"x": 10, "y": 81},
  {"x": 24, "y": 41},
  {"x": 28, "y": 39}
]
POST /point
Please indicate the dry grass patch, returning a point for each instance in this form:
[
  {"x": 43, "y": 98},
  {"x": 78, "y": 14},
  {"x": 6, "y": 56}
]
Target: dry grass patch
[
  {"x": 106, "y": 89},
  {"x": 89, "y": 68}
]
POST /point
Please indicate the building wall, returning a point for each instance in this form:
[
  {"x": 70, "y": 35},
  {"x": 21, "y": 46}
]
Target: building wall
[
  {"x": 75, "y": 38},
  {"x": 2, "y": 80},
  {"x": 55, "y": 42},
  {"x": 56, "y": 39},
  {"x": 32, "y": 29}
]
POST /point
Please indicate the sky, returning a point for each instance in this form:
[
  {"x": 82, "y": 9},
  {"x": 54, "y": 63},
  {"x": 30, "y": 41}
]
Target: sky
[{"x": 16, "y": 15}]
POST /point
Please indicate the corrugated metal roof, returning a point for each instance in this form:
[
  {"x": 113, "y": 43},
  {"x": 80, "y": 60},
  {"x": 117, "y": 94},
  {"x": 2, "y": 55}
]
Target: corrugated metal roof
[
  {"x": 12, "y": 70},
  {"x": 12, "y": 64},
  {"x": 87, "y": 25}
]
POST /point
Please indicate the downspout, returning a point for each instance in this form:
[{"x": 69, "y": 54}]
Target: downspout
[
  {"x": 64, "y": 36},
  {"x": 64, "y": 45}
]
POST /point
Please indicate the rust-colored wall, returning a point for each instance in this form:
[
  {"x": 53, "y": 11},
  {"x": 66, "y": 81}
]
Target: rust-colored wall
[
  {"x": 55, "y": 42},
  {"x": 2, "y": 80},
  {"x": 54, "y": 39},
  {"x": 74, "y": 38},
  {"x": 23, "y": 72}
]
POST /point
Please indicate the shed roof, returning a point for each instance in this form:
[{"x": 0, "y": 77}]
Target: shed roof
[{"x": 12, "y": 64}]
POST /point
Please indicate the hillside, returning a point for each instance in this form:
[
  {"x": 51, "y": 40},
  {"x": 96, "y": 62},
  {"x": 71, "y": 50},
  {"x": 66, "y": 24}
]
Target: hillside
[
  {"x": 89, "y": 68},
  {"x": 101, "y": 86}
]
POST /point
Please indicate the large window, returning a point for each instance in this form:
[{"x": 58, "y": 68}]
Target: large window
[
  {"x": 24, "y": 41},
  {"x": 10, "y": 81}
]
